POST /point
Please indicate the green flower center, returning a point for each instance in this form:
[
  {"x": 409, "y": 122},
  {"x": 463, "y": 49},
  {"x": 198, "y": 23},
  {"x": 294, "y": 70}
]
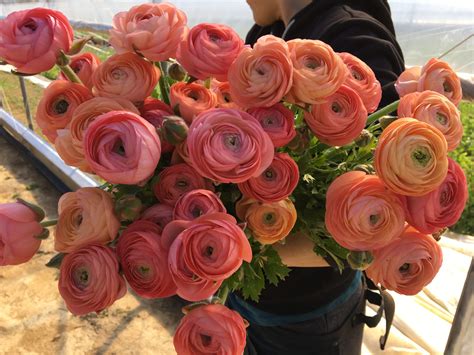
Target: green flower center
[{"x": 421, "y": 156}]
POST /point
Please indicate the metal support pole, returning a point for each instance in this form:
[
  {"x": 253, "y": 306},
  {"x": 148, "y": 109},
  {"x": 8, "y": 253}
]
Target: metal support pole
[{"x": 25, "y": 102}]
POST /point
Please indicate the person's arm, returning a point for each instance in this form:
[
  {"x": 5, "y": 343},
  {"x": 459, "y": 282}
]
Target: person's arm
[{"x": 298, "y": 252}]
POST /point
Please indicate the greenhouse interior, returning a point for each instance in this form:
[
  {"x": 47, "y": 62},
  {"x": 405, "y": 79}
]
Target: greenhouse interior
[{"x": 36, "y": 318}]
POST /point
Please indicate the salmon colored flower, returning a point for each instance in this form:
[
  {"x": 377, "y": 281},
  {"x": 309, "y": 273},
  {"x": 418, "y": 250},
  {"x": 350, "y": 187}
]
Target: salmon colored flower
[
  {"x": 89, "y": 280},
  {"x": 362, "y": 79},
  {"x": 31, "y": 40},
  {"x": 318, "y": 71},
  {"x": 155, "y": 111},
  {"x": 408, "y": 263},
  {"x": 222, "y": 91},
  {"x": 278, "y": 121},
  {"x": 440, "y": 208},
  {"x": 407, "y": 82},
  {"x": 269, "y": 222},
  {"x": 86, "y": 216},
  {"x": 228, "y": 145},
  {"x": 84, "y": 65},
  {"x": 261, "y": 76},
  {"x": 210, "y": 329},
  {"x": 122, "y": 148},
  {"x": 339, "y": 119},
  {"x": 126, "y": 76},
  {"x": 435, "y": 109},
  {"x": 56, "y": 107},
  {"x": 191, "y": 99},
  {"x": 160, "y": 214},
  {"x": 208, "y": 51},
  {"x": 276, "y": 183},
  {"x": 361, "y": 213},
  {"x": 196, "y": 203},
  {"x": 153, "y": 30},
  {"x": 410, "y": 157}
]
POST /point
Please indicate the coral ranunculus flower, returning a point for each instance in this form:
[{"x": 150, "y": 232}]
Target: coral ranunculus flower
[
  {"x": 160, "y": 214},
  {"x": 407, "y": 82},
  {"x": 197, "y": 203},
  {"x": 410, "y": 157},
  {"x": 31, "y": 40},
  {"x": 210, "y": 329},
  {"x": 261, "y": 76},
  {"x": 361, "y": 213},
  {"x": 222, "y": 91},
  {"x": 122, "y": 147},
  {"x": 191, "y": 99},
  {"x": 209, "y": 50},
  {"x": 408, "y": 263},
  {"x": 84, "y": 65}
]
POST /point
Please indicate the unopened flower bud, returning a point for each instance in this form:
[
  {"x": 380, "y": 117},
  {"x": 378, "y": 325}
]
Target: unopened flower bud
[
  {"x": 176, "y": 72},
  {"x": 364, "y": 138},
  {"x": 174, "y": 130},
  {"x": 301, "y": 141},
  {"x": 36, "y": 209},
  {"x": 360, "y": 260},
  {"x": 386, "y": 120},
  {"x": 62, "y": 59},
  {"x": 78, "y": 45},
  {"x": 128, "y": 208}
]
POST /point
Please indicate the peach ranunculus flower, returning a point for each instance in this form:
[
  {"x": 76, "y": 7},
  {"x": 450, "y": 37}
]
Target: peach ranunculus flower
[
  {"x": 408, "y": 263},
  {"x": 153, "y": 30},
  {"x": 278, "y": 121},
  {"x": 69, "y": 143},
  {"x": 176, "y": 180},
  {"x": 362, "y": 79},
  {"x": 84, "y": 65},
  {"x": 268, "y": 222},
  {"x": 222, "y": 91},
  {"x": 407, "y": 82},
  {"x": 31, "y": 40},
  {"x": 89, "y": 279},
  {"x": 228, "y": 145},
  {"x": 191, "y": 99},
  {"x": 318, "y": 71},
  {"x": 19, "y": 225},
  {"x": 261, "y": 76},
  {"x": 86, "y": 216},
  {"x": 209, "y": 50},
  {"x": 435, "y": 109},
  {"x": 57, "y": 106},
  {"x": 361, "y": 213},
  {"x": 122, "y": 147},
  {"x": 339, "y": 119},
  {"x": 440, "y": 208},
  {"x": 126, "y": 76},
  {"x": 160, "y": 214},
  {"x": 197, "y": 203},
  {"x": 276, "y": 183},
  {"x": 210, "y": 329},
  {"x": 410, "y": 157}
]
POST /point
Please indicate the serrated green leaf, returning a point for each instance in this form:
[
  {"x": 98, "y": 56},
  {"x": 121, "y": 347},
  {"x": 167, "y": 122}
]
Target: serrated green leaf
[
  {"x": 274, "y": 269},
  {"x": 253, "y": 283}
]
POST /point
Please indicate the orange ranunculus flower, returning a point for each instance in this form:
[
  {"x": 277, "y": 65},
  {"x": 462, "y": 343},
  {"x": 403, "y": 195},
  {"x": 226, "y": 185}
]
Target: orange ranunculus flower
[
  {"x": 435, "y": 109},
  {"x": 361, "y": 213},
  {"x": 222, "y": 91},
  {"x": 407, "y": 82},
  {"x": 126, "y": 75},
  {"x": 318, "y": 71},
  {"x": 86, "y": 216},
  {"x": 269, "y": 222},
  {"x": 69, "y": 142},
  {"x": 410, "y": 157},
  {"x": 84, "y": 65},
  {"x": 191, "y": 99},
  {"x": 57, "y": 106},
  {"x": 261, "y": 76}
]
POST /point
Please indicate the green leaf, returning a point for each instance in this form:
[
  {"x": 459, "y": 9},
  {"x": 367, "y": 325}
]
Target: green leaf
[
  {"x": 274, "y": 269},
  {"x": 253, "y": 282},
  {"x": 56, "y": 261}
]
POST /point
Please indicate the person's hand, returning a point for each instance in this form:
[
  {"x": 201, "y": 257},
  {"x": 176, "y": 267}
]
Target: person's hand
[{"x": 298, "y": 252}]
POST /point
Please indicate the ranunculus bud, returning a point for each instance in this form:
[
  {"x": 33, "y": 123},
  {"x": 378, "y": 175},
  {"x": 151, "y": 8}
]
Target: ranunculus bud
[
  {"x": 176, "y": 72},
  {"x": 301, "y": 142},
  {"x": 174, "y": 130},
  {"x": 360, "y": 260},
  {"x": 78, "y": 45},
  {"x": 386, "y": 120},
  {"x": 128, "y": 207},
  {"x": 364, "y": 138}
]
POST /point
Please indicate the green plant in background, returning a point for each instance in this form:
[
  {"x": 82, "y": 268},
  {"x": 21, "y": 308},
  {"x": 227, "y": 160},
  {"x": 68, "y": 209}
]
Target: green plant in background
[{"x": 464, "y": 155}]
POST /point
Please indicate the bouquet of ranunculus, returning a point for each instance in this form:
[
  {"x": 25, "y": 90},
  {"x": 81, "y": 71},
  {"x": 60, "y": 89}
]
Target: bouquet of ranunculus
[{"x": 213, "y": 151}]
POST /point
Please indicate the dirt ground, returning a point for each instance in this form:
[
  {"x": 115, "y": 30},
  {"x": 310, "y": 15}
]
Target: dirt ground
[{"x": 34, "y": 319}]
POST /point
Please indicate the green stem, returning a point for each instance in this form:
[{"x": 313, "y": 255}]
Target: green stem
[
  {"x": 67, "y": 70},
  {"x": 382, "y": 112},
  {"x": 223, "y": 294},
  {"x": 374, "y": 127},
  {"x": 49, "y": 223},
  {"x": 163, "y": 84}
]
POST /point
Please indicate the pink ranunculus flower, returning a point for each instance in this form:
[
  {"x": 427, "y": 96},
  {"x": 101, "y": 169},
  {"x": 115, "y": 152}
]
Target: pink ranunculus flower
[
  {"x": 155, "y": 111},
  {"x": 276, "y": 183},
  {"x": 209, "y": 50},
  {"x": 339, "y": 119},
  {"x": 407, "y": 82},
  {"x": 228, "y": 145},
  {"x": 31, "y": 40},
  {"x": 153, "y": 30},
  {"x": 144, "y": 261},
  {"x": 89, "y": 280},
  {"x": 84, "y": 65},
  {"x": 208, "y": 251},
  {"x": 160, "y": 214},
  {"x": 176, "y": 180},
  {"x": 278, "y": 121},
  {"x": 362, "y": 79},
  {"x": 210, "y": 329},
  {"x": 196, "y": 203},
  {"x": 19, "y": 226},
  {"x": 122, "y": 147},
  {"x": 261, "y": 76},
  {"x": 408, "y": 263},
  {"x": 442, "y": 207},
  {"x": 191, "y": 99}
]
